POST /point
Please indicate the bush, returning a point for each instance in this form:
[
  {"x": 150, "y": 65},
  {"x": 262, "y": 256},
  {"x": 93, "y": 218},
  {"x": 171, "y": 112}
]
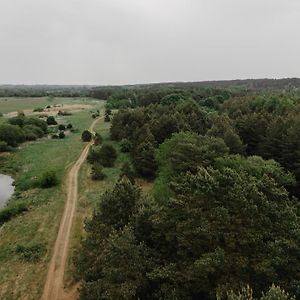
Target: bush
[
  {"x": 9, "y": 212},
  {"x": 55, "y": 137},
  {"x": 11, "y": 134},
  {"x": 69, "y": 126},
  {"x": 97, "y": 172},
  {"x": 48, "y": 179},
  {"x": 39, "y": 109},
  {"x": 86, "y": 136},
  {"x": 61, "y": 135},
  {"x": 31, "y": 253},
  {"x": 4, "y": 147},
  {"x": 32, "y": 132},
  {"x": 105, "y": 155},
  {"x": 107, "y": 118},
  {"x": 125, "y": 145},
  {"x": 97, "y": 139},
  {"x": 51, "y": 121},
  {"x": 36, "y": 122},
  {"x": 128, "y": 171},
  {"x": 61, "y": 127}
]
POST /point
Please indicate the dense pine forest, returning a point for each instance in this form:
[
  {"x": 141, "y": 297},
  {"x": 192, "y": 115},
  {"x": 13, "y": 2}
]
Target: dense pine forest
[{"x": 222, "y": 220}]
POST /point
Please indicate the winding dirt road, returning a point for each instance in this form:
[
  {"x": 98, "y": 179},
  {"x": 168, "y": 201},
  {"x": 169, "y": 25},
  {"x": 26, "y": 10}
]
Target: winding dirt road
[{"x": 54, "y": 286}]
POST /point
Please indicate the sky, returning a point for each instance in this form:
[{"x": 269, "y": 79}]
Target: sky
[{"x": 103, "y": 42}]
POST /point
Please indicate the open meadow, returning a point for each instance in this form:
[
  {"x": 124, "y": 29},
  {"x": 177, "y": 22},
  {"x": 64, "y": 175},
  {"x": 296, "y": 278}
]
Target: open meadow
[{"x": 26, "y": 241}]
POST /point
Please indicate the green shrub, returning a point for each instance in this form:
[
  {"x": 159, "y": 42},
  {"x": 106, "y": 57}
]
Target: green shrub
[
  {"x": 51, "y": 121},
  {"x": 11, "y": 134},
  {"x": 31, "y": 253},
  {"x": 105, "y": 155},
  {"x": 38, "y": 109},
  {"x": 48, "y": 179},
  {"x": 4, "y": 147},
  {"x": 37, "y": 131},
  {"x": 86, "y": 136},
  {"x": 69, "y": 126},
  {"x": 125, "y": 145},
  {"x": 97, "y": 139},
  {"x": 97, "y": 172},
  {"x": 61, "y": 135},
  {"x": 11, "y": 211},
  {"x": 61, "y": 127}
]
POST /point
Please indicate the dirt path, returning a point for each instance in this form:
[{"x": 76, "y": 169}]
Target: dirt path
[{"x": 54, "y": 286}]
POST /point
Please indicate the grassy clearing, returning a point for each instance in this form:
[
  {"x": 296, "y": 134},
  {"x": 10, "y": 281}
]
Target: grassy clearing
[{"x": 26, "y": 241}]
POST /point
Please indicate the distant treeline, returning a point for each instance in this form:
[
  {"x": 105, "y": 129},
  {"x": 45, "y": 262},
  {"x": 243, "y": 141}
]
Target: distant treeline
[
  {"x": 44, "y": 90},
  {"x": 104, "y": 92}
]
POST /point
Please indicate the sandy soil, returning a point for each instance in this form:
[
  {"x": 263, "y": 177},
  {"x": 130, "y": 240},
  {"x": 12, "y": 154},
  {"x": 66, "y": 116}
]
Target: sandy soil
[
  {"x": 53, "y": 110},
  {"x": 54, "y": 286}
]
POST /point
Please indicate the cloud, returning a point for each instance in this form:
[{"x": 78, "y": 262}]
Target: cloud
[{"x": 131, "y": 41}]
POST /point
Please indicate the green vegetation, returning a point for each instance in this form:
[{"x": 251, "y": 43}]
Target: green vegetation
[
  {"x": 33, "y": 214},
  {"x": 224, "y": 212},
  {"x": 86, "y": 136},
  {"x": 190, "y": 192}
]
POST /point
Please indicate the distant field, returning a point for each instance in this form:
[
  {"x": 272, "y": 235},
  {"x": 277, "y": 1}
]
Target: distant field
[
  {"x": 15, "y": 104},
  {"x": 19, "y": 278}
]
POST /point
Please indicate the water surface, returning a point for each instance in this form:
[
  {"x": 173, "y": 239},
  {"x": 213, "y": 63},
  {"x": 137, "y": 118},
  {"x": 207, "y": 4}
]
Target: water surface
[{"x": 6, "y": 189}]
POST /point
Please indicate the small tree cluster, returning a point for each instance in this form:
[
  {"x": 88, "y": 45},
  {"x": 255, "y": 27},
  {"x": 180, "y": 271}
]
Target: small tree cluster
[{"x": 86, "y": 136}]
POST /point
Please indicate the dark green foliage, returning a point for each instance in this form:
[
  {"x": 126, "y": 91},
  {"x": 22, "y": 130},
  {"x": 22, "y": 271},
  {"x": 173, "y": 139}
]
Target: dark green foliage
[
  {"x": 11, "y": 211},
  {"x": 97, "y": 172},
  {"x": 111, "y": 261},
  {"x": 125, "y": 145},
  {"x": 69, "y": 126},
  {"x": 35, "y": 122},
  {"x": 185, "y": 152},
  {"x": 32, "y": 132},
  {"x": 11, "y": 134},
  {"x": 104, "y": 155},
  {"x": 31, "y": 253},
  {"x": 107, "y": 118},
  {"x": 61, "y": 127},
  {"x": 86, "y": 136},
  {"x": 48, "y": 179},
  {"x": 51, "y": 121},
  {"x": 4, "y": 147},
  {"x": 222, "y": 216},
  {"x": 144, "y": 161},
  {"x": 117, "y": 206},
  {"x": 19, "y": 121},
  {"x": 97, "y": 139},
  {"x": 39, "y": 109},
  {"x": 128, "y": 171},
  {"x": 61, "y": 135},
  {"x": 55, "y": 136}
]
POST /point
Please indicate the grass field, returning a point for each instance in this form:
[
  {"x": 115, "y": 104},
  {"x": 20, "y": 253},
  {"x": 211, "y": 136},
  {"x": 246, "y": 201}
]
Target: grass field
[
  {"x": 16, "y": 104},
  {"x": 26, "y": 241}
]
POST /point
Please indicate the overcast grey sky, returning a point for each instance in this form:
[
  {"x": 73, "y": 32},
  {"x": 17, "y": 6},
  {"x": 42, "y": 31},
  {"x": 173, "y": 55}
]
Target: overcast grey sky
[{"x": 138, "y": 41}]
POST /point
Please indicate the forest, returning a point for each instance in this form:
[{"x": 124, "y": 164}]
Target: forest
[
  {"x": 219, "y": 217},
  {"x": 222, "y": 219}
]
